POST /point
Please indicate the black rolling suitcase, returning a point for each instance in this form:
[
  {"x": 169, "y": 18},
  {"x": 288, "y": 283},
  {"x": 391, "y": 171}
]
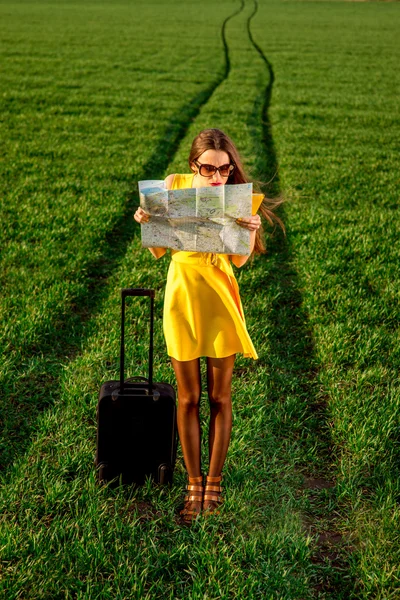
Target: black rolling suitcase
[{"x": 136, "y": 421}]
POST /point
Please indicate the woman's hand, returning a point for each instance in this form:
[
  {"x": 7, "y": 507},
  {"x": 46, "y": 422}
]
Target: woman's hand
[
  {"x": 141, "y": 216},
  {"x": 252, "y": 223}
]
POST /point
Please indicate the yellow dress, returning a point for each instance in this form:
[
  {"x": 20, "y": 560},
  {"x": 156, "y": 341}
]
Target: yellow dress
[{"x": 203, "y": 313}]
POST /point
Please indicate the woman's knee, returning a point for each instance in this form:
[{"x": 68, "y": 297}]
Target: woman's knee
[
  {"x": 189, "y": 399},
  {"x": 222, "y": 400}
]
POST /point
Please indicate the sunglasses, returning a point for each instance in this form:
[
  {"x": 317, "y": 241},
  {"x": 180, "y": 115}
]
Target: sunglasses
[{"x": 210, "y": 170}]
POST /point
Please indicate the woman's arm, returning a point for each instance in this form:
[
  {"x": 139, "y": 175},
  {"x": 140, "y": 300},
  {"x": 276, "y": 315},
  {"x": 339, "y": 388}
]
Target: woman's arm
[
  {"x": 158, "y": 252},
  {"x": 143, "y": 217},
  {"x": 252, "y": 223},
  {"x": 238, "y": 259}
]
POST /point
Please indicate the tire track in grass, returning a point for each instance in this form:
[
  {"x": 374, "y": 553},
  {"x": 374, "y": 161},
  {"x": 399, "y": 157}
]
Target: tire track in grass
[
  {"x": 62, "y": 341},
  {"x": 294, "y": 373}
]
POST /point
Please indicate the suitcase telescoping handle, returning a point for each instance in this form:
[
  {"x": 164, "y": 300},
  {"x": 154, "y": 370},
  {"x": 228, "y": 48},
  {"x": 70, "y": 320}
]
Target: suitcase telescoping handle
[{"x": 136, "y": 292}]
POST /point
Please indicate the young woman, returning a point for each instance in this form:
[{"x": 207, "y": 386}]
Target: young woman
[{"x": 203, "y": 316}]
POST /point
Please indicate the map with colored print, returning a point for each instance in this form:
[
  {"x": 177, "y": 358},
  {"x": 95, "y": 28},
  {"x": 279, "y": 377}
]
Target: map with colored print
[{"x": 196, "y": 219}]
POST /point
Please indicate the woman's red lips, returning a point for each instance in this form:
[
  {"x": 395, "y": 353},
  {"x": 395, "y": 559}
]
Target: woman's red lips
[{"x": 216, "y": 184}]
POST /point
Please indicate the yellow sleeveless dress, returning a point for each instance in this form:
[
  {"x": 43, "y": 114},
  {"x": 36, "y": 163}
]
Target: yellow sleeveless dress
[{"x": 203, "y": 313}]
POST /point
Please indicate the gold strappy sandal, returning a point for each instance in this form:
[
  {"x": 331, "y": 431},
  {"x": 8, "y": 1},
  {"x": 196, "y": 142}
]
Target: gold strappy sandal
[
  {"x": 212, "y": 495},
  {"x": 193, "y": 500}
]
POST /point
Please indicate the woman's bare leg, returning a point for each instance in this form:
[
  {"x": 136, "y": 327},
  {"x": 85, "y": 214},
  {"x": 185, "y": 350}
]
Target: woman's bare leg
[
  {"x": 189, "y": 391},
  {"x": 219, "y": 379}
]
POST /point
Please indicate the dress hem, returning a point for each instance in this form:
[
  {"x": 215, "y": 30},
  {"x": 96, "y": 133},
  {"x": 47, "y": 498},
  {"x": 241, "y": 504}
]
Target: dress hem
[{"x": 245, "y": 355}]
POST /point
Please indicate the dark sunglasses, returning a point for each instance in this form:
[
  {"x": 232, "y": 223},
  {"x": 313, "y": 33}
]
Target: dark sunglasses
[{"x": 210, "y": 170}]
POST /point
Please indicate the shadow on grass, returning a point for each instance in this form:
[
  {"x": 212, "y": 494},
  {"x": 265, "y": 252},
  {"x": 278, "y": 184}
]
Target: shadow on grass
[
  {"x": 293, "y": 367},
  {"x": 24, "y": 401}
]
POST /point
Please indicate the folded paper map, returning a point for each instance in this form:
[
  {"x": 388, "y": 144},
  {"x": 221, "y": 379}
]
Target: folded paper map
[{"x": 197, "y": 219}]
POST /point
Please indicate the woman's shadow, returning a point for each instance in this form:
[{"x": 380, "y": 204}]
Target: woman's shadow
[{"x": 291, "y": 360}]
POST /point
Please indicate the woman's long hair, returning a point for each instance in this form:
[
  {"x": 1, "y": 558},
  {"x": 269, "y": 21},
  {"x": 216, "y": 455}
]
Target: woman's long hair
[{"x": 215, "y": 139}]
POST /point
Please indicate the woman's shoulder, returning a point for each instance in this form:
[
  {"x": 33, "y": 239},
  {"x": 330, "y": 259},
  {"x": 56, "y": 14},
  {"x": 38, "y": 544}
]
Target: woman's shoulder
[
  {"x": 177, "y": 181},
  {"x": 169, "y": 180}
]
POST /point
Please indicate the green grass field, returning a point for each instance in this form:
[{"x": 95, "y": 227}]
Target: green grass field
[{"x": 98, "y": 95}]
